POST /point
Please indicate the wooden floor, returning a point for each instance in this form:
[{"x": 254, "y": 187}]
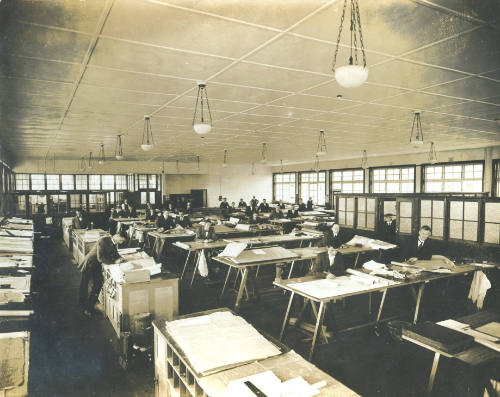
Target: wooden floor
[{"x": 72, "y": 355}]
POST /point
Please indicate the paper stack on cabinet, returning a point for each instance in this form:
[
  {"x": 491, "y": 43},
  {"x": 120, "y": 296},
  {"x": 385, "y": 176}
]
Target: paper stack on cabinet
[{"x": 219, "y": 340}]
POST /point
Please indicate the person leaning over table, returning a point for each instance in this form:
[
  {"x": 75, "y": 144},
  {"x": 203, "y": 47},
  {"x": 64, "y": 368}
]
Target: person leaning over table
[
  {"x": 104, "y": 252},
  {"x": 335, "y": 239},
  {"x": 165, "y": 221}
]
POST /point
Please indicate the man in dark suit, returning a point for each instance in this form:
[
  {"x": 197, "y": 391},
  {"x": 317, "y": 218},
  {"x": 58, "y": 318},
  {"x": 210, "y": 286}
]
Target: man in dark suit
[
  {"x": 264, "y": 206},
  {"x": 302, "y": 206},
  {"x": 253, "y": 203},
  {"x": 419, "y": 247},
  {"x": 150, "y": 213},
  {"x": 105, "y": 252},
  {"x": 183, "y": 219},
  {"x": 293, "y": 213},
  {"x": 208, "y": 231},
  {"x": 335, "y": 239},
  {"x": 281, "y": 205},
  {"x": 165, "y": 221},
  {"x": 242, "y": 205},
  {"x": 79, "y": 221},
  {"x": 310, "y": 204},
  {"x": 388, "y": 229}
]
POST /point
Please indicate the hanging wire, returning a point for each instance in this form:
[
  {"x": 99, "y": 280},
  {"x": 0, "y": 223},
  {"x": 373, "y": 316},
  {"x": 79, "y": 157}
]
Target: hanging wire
[
  {"x": 417, "y": 134},
  {"x": 202, "y": 99},
  {"x": 91, "y": 161},
  {"x": 281, "y": 165},
  {"x": 321, "y": 149},
  {"x": 198, "y": 163},
  {"x": 147, "y": 133},
  {"x": 224, "y": 164},
  {"x": 263, "y": 153},
  {"x": 82, "y": 163},
  {"x": 118, "y": 148},
  {"x": 102, "y": 157},
  {"x": 432, "y": 154},
  {"x": 364, "y": 160}
]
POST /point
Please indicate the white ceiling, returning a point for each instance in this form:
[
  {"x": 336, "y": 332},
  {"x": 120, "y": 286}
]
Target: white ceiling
[{"x": 75, "y": 73}]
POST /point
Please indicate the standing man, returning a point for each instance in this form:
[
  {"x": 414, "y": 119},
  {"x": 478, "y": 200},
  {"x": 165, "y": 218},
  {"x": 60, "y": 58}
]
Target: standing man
[
  {"x": 103, "y": 252},
  {"x": 310, "y": 204},
  {"x": 253, "y": 203}
]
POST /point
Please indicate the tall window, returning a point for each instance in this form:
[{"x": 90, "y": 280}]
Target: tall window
[
  {"x": 53, "y": 182},
  {"x": 94, "y": 182},
  {"x": 22, "y": 181},
  {"x": 465, "y": 178},
  {"x": 20, "y": 205},
  {"x": 108, "y": 182},
  {"x": 81, "y": 182},
  {"x": 312, "y": 184},
  {"x": 37, "y": 182},
  {"x": 393, "y": 180},
  {"x": 152, "y": 181},
  {"x": 121, "y": 182},
  {"x": 143, "y": 181},
  {"x": 68, "y": 182},
  {"x": 284, "y": 187},
  {"x": 348, "y": 181}
]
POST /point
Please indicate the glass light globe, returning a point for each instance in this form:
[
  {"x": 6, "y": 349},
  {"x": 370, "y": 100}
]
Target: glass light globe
[
  {"x": 320, "y": 153},
  {"x": 146, "y": 147},
  {"x": 351, "y": 75},
  {"x": 101, "y": 162},
  {"x": 119, "y": 157},
  {"x": 202, "y": 128},
  {"x": 417, "y": 143}
]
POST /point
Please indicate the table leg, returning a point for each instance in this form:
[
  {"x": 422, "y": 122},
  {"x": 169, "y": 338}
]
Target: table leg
[
  {"x": 185, "y": 264},
  {"x": 369, "y": 303},
  {"x": 319, "y": 324},
  {"x": 382, "y": 300},
  {"x": 287, "y": 314},
  {"x": 419, "y": 299},
  {"x": 315, "y": 312},
  {"x": 356, "y": 261},
  {"x": 225, "y": 282},
  {"x": 301, "y": 312},
  {"x": 432, "y": 375},
  {"x": 240, "y": 291},
  {"x": 291, "y": 269},
  {"x": 196, "y": 260}
]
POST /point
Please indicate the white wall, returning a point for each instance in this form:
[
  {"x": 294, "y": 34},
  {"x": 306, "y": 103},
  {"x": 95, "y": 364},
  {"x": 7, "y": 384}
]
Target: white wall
[{"x": 233, "y": 182}]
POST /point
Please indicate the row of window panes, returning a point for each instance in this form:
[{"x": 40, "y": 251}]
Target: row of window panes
[
  {"x": 285, "y": 191},
  {"x": 313, "y": 176},
  {"x": 348, "y": 175},
  {"x": 78, "y": 182},
  {"x": 394, "y": 174},
  {"x": 289, "y": 177}
]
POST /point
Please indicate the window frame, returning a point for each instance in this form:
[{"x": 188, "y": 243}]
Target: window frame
[
  {"x": 372, "y": 179},
  {"x": 423, "y": 178}
]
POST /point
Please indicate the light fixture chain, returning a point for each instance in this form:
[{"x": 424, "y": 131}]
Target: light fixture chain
[
  {"x": 196, "y": 106},
  {"x": 360, "y": 34},
  {"x": 355, "y": 36},
  {"x": 353, "y": 33},
  {"x": 338, "y": 37},
  {"x": 208, "y": 105}
]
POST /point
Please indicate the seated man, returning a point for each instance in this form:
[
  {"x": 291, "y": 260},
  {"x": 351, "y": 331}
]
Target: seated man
[
  {"x": 165, "y": 221},
  {"x": 242, "y": 204},
  {"x": 281, "y": 204},
  {"x": 335, "y": 239},
  {"x": 264, "y": 206},
  {"x": 232, "y": 207},
  {"x": 183, "y": 219},
  {"x": 150, "y": 213},
  {"x": 302, "y": 206},
  {"x": 208, "y": 231},
  {"x": 104, "y": 252},
  {"x": 254, "y": 220},
  {"x": 420, "y": 247},
  {"x": 79, "y": 222},
  {"x": 224, "y": 206},
  {"x": 293, "y": 213},
  {"x": 275, "y": 213},
  {"x": 248, "y": 211},
  {"x": 387, "y": 230}
]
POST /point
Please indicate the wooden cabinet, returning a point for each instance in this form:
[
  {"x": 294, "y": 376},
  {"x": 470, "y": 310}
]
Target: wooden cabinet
[
  {"x": 14, "y": 360},
  {"x": 83, "y": 241},
  {"x": 159, "y": 296}
]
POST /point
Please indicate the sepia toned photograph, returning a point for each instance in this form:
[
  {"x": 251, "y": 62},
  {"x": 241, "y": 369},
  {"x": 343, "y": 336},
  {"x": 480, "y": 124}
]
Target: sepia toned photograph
[{"x": 249, "y": 198}]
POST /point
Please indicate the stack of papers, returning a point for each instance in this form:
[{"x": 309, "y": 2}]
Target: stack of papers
[
  {"x": 487, "y": 335},
  {"x": 220, "y": 339},
  {"x": 232, "y": 250},
  {"x": 371, "y": 243},
  {"x": 118, "y": 271}
]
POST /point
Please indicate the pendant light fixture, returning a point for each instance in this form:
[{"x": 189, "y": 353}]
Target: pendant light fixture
[
  {"x": 263, "y": 154},
  {"x": 102, "y": 157},
  {"x": 364, "y": 160},
  {"x": 353, "y": 74},
  {"x": 198, "y": 163},
  {"x": 417, "y": 134},
  {"x": 281, "y": 165},
  {"x": 147, "y": 135},
  {"x": 118, "y": 148},
  {"x": 91, "y": 161},
  {"x": 432, "y": 154},
  {"x": 316, "y": 163},
  {"x": 224, "y": 164},
  {"x": 82, "y": 163},
  {"x": 321, "y": 150},
  {"x": 202, "y": 119}
]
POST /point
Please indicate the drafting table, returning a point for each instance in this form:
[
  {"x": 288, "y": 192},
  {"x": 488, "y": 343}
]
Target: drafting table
[
  {"x": 260, "y": 257},
  {"x": 473, "y": 355},
  {"x": 84, "y": 240},
  {"x": 195, "y": 247},
  {"x": 160, "y": 241},
  {"x": 323, "y": 302}
]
